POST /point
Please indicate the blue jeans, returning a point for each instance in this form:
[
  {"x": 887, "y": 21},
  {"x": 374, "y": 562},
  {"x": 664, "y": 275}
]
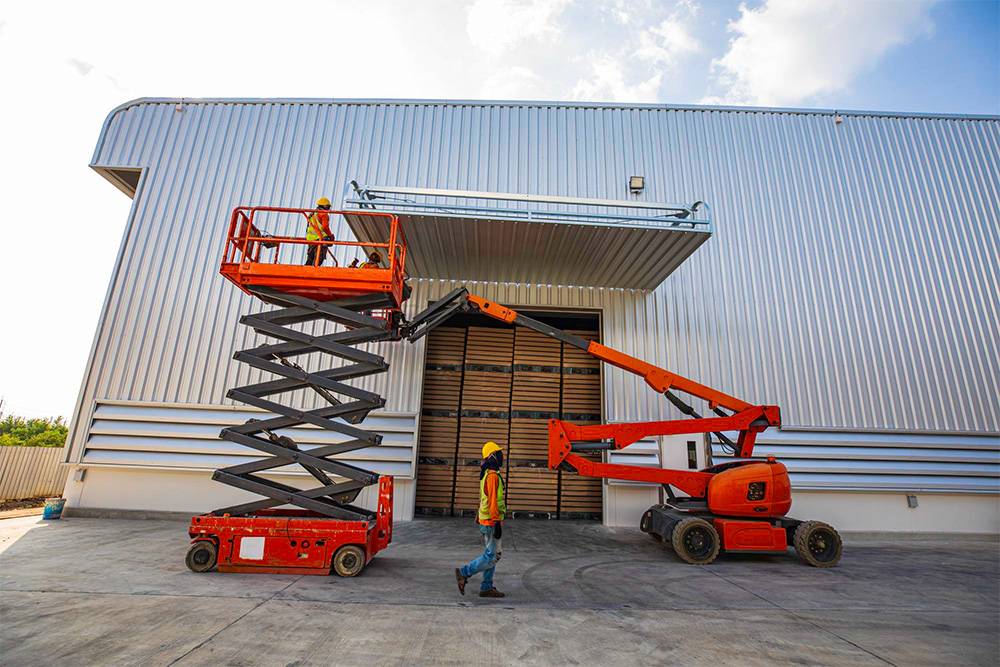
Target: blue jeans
[{"x": 487, "y": 562}]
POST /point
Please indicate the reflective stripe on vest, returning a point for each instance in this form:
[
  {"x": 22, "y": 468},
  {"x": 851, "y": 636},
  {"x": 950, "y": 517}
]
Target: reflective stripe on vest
[
  {"x": 484, "y": 502},
  {"x": 314, "y": 228}
]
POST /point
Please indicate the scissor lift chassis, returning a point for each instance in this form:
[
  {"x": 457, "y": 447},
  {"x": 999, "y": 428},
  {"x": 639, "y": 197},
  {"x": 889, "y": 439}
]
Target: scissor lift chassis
[{"x": 295, "y": 541}]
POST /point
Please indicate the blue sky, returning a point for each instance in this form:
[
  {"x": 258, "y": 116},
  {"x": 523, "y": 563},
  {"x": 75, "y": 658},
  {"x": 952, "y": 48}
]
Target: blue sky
[{"x": 65, "y": 65}]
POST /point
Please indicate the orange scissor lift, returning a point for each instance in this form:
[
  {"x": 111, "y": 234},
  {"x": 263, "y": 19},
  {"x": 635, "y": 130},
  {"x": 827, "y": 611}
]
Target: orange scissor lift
[
  {"x": 738, "y": 505},
  {"x": 326, "y": 531}
]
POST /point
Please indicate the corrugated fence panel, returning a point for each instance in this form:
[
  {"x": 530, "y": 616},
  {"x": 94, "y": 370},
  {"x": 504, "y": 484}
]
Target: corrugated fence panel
[
  {"x": 187, "y": 438},
  {"x": 852, "y": 279},
  {"x": 31, "y": 472}
]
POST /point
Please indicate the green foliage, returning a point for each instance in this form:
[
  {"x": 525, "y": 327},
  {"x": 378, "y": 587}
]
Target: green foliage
[{"x": 21, "y": 432}]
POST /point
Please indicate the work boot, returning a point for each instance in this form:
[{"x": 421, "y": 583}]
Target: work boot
[
  {"x": 492, "y": 593},
  {"x": 461, "y": 580}
]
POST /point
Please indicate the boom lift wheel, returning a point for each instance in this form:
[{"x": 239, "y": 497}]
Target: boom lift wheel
[
  {"x": 349, "y": 560},
  {"x": 818, "y": 544},
  {"x": 201, "y": 556},
  {"x": 695, "y": 541}
]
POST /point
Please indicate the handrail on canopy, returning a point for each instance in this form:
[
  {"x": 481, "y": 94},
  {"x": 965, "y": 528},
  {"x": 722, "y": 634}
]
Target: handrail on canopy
[{"x": 535, "y": 208}]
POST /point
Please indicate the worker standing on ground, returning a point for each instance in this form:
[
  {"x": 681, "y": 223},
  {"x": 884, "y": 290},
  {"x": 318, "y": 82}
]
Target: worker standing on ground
[
  {"x": 492, "y": 511},
  {"x": 318, "y": 229}
]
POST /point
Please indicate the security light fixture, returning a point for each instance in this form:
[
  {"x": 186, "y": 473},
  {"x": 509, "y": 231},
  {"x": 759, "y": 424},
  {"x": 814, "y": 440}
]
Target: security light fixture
[{"x": 636, "y": 184}]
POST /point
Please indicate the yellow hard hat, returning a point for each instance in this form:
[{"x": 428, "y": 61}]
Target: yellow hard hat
[
  {"x": 322, "y": 201},
  {"x": 489, "y": 448}
]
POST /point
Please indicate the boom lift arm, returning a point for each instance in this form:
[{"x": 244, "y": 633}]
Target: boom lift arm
[{"x": 566, "y": 439}]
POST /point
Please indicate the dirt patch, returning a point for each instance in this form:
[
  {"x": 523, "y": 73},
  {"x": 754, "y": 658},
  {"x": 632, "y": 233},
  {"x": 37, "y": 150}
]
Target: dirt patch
[{"x": 21, "y": 504}]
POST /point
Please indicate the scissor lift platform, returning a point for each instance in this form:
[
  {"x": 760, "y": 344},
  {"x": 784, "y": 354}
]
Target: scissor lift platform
[{"x": 253, "y": 259}]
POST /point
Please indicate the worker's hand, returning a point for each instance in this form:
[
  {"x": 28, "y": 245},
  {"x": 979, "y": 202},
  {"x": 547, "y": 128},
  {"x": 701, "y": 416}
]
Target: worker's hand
[{"x": 497, "y": 530}]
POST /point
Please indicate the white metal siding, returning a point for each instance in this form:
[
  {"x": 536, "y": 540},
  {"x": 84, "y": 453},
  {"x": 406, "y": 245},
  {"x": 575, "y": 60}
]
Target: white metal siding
[
  {"x": 186, "y": 437},
  {"x": 852, "y": 279}
]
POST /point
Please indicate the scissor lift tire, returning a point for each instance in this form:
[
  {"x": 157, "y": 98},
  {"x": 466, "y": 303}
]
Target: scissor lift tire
[
  {"x": 349, "y": 560},
  {"x": 201, "y": 556}
]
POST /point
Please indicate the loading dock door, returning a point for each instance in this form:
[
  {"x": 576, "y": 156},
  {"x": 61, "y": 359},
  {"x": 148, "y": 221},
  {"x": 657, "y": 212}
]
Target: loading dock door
[{"x": 503, "y": 384}]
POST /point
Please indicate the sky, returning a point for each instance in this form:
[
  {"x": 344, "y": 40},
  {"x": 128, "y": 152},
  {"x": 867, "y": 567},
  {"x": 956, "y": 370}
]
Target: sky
[{"x": 65, "y": 66}]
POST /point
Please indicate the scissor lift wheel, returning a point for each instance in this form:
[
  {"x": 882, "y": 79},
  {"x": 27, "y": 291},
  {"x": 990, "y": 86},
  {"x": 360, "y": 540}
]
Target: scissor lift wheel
[
  {"x": 201, "y": 556},
  {"x": 349, "y": 560}
]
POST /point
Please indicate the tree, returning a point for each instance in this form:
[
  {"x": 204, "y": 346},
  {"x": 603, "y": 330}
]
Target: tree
[{"x": 21, "y": 432}]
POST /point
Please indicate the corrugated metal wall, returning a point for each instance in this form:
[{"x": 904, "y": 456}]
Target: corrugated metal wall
[
  {"x": 186, "y": 437},
  {"x": 852, "y": 278}
]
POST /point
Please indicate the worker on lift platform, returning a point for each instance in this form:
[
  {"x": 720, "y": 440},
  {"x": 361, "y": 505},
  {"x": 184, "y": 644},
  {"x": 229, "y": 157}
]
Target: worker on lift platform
[
  {"x": 492, "y": 511},
  {"x": 318, "y": 229},
  {"x": 374, "y": 261}
]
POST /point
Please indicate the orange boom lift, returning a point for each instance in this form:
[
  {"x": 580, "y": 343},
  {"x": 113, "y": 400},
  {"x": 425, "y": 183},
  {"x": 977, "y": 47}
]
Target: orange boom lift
[{"x": 738, "y": 505}]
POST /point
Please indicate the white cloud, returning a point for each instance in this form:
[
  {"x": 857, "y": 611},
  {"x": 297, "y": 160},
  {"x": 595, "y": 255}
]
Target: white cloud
[
  {"x": 497, "y": 26},
  {"x": 607, "y": 80},
  {"x": 788, "y": 51},
  {"x": 82, "y": 68},
  {"x": 670, "y": 40},
  {"x": 514, "y": 83},
  {"x": 635, "y": 73}
]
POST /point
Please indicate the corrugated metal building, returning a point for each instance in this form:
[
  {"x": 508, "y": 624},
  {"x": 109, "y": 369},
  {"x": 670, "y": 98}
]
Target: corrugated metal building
[{"x": 851, "y": 279}]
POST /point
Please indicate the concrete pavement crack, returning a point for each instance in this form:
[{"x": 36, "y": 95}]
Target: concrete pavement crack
[
  {"x": 800, "y": 618},
  {"x": 234, "y": 621}
]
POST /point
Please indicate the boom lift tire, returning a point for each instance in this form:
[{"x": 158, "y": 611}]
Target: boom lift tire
[
  {"x": 695, "y": 541},
  {"x": 201, "y": 556},
  {"x": 818, "y": 544},
  {"x": 349, "y": 560}
]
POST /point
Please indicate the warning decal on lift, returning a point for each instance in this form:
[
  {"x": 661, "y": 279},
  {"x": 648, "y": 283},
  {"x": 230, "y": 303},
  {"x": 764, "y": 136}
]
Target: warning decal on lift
[{"x": 252, "y": 548}]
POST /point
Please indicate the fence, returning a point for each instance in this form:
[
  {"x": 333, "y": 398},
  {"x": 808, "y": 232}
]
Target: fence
[{"x": 31, "y": 472}]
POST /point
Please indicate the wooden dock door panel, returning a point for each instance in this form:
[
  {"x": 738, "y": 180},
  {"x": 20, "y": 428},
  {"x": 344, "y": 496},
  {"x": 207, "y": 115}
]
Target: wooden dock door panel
[
  {"x": 436, "y": 448},
  {"x": 503, "y": 384}
]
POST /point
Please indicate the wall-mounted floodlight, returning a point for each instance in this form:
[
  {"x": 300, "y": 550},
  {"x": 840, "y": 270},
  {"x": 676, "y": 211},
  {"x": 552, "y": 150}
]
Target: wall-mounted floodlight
[{"x": 636, "y": 184}]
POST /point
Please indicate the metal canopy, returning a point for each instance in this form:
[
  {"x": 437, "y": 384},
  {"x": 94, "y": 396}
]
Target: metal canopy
[{"x": 503, "y": 237}]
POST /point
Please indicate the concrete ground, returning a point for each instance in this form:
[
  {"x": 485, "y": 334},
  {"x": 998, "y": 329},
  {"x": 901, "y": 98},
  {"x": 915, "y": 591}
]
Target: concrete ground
[{"x": 99, "y": 591}]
